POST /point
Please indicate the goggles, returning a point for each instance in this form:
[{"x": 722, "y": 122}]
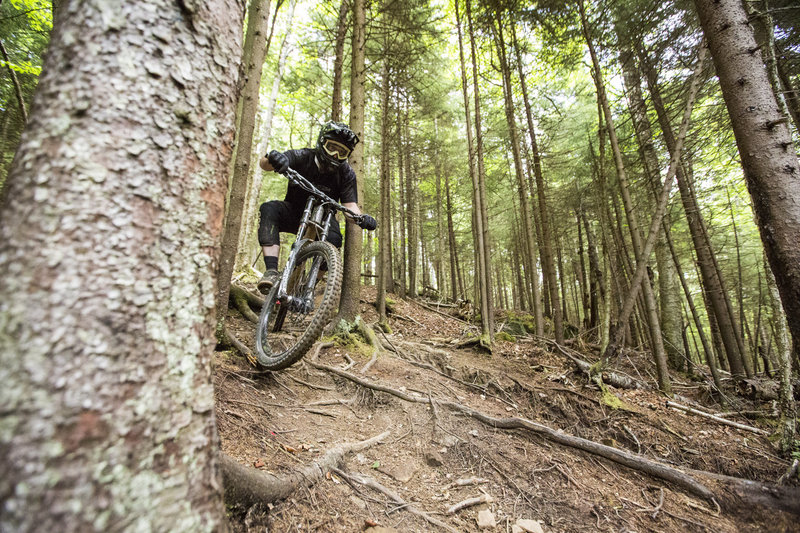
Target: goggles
[{"x": 336, "y": 149}]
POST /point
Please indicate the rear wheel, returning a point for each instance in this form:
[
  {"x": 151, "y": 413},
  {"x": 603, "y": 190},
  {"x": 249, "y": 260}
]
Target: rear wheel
[{"x": 286, "y": 330}]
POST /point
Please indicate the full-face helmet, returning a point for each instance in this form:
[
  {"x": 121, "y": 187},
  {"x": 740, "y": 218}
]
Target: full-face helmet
[{"x": 335, "y": 143}]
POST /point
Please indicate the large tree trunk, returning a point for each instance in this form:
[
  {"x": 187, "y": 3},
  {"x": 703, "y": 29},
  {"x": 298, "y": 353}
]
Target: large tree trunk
[
  {"x": 249, "y": 83},
  {"x": 108, "y": 272},
  {"x": 771, "y": 167},
  {"x": 351, "y": 283}
]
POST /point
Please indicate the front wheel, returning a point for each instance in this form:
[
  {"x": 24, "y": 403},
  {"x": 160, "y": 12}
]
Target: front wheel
[{"x": 286, "y": 330}]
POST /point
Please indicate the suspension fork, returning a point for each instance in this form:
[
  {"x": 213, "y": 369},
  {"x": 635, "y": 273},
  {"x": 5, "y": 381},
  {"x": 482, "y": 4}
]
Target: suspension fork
[{"x": 320, "y": 219}]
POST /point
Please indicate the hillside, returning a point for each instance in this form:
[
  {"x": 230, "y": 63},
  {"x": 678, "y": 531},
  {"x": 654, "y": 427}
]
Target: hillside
[{"x": 438, "y": 453}]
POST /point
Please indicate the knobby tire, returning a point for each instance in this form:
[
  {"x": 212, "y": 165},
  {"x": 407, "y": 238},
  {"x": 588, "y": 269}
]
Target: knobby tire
[{"x": 280, "y": 349}]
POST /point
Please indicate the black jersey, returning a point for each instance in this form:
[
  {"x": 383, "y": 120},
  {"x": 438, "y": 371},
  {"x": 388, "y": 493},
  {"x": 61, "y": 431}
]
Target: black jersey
[{"x": 339, "y": 183}]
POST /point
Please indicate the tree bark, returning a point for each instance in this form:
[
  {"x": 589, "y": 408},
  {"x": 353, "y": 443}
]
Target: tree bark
[
  {"x": 770, "y": 163},
  {"x": 106, "y": 340}
]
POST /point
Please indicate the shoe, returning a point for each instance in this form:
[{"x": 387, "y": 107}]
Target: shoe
[{"x": 266, "y": 282}]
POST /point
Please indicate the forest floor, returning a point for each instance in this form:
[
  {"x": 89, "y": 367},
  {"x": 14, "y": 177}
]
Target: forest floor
[{"x": 436, "y": 456}]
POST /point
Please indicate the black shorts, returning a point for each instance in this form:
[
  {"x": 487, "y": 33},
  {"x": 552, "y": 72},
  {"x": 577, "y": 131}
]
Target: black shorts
[{"x": 277, "y": 216}]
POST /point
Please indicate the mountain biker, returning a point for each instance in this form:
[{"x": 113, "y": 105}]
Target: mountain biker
[{"x": 327, "y": 168}]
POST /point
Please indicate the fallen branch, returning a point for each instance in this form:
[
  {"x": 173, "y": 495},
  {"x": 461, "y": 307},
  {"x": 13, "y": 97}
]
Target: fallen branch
[
  {"x": 611, "y": 378},
  {"x": 716, "y": 418},
  {"x": 248, "y": 486}
]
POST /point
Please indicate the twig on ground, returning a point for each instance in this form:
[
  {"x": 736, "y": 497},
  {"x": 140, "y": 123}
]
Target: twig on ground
[
  {"x": 716, "y": 418},
  {"x": 309, "y": 385},
  {"x": 629, "y": 432},
  {"x": 483, "y": 498},
  {"x": 474, "y": 480}
]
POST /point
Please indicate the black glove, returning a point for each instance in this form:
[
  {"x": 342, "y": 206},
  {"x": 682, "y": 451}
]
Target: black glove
[
  {"x": 368, "y": 223},
  {"x": 279, "y": 161}
]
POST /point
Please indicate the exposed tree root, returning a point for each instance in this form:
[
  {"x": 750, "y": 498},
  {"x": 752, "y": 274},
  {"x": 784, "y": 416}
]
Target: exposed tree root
[
  {"x": 622, "y": 457},
  {"x": 746, "y": 492},
  {"x": 226, "y": 338},
  {"x": 243, "y": 300},
  {"x": 396, "y": 499},
  {"x": 248, "y": 486},
  {"x": 611, "y": 378}
]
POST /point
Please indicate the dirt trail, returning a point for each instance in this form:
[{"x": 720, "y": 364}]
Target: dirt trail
[{"x": 279, "y": 422}]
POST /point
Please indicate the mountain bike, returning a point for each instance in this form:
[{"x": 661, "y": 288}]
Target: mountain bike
[{"x": 299, "y": 306}]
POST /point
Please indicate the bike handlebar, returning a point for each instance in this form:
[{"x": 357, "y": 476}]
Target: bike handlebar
[{"x": 302, "y": 182}]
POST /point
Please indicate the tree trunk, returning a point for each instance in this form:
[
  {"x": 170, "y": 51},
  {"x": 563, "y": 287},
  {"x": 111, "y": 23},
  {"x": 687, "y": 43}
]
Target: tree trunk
[
  {"x": 411, "y": 224},
  {"x": 770, "y": 163},
  {"x": 633, "y": 225},
  {"x": 546, "y": 243},
  {"x": 249, "y": 83},
  {"x": 476, "y": 167},
  {"x": 351, "y": 282},
  {"x": 15, "y": 83},
  {"x": 385, "y": 229},
  {"x": 245, "y": 254},
  {"x": 456, "y": 285},
  {"x": 106, "y": 339},
  {"x": 484, "y": 241},
  {"x": 338, "y": 61},
  {"x": 670, "y": 316},
  {"x": 712, "y": 283}
]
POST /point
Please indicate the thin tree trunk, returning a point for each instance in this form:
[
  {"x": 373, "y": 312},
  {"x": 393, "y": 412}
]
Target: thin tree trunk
[
  {"x": 475, "y": 160},
  {"x": 338, "y": 61},
  {"x": 633, "y": 224},
  {"x": 546, "y": 243},
  {"x": 669, "y": 300},
  {"x": 411, "y": 209},
  {"x": 455, "y": 275},
  {"x": 385, "y": 229},
  {"x": 521, "y": 187},
  {"x": 244, "y": 256},
  {"x": 712, "y": 283},
  {"x": 351, "y": 282},
  {"x": 249, "y": 83},
  {"x": 484, "y": 242},
  {"x": 15, "y": 83}
]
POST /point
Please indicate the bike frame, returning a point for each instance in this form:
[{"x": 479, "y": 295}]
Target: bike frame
[{"x": 314, "y": 225}]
